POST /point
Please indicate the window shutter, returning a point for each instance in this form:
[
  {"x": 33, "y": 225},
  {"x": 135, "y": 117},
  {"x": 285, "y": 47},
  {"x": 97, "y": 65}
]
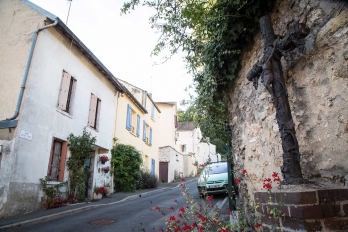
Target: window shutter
[
  {"x": 138, "y": 125},
  {"x": 153, "y": 111},
  {"x": 144, "y": 131},
  {"x": 150, "y": 136},
  {"x": 64, "y": 91},
  {"x": 176, "y": 121},
  {"x": 92, "y": 110},
  {"x": 62, "y": 162},
  {"x": 129, "y": 117}
]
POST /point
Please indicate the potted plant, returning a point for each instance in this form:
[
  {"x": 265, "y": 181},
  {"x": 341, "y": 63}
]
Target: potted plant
[
  {"x": 108, "y": 188},
  {"x": 106, "y": 169},
  {"x": 97, "y": 194},
  {"x": 103, "y": 191},
  {"x": 103, "y": 159}
]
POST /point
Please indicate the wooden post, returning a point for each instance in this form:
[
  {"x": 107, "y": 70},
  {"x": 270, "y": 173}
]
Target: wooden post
[{"x": 270, "y": 69}]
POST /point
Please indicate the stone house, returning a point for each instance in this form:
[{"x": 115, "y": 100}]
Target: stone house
[
  {"x": 65, "y": 89},
  {"x": 316, "y": 82}
]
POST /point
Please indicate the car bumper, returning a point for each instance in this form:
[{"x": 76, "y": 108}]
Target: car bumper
[{"x": 202, "y": 189}]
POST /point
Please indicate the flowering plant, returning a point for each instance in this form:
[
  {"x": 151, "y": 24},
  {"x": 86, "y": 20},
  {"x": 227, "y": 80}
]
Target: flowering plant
[
  {"x": 103, "y": 191},
  {"x": 103, "y": 158},
  {"x": 106, "y": 168}
]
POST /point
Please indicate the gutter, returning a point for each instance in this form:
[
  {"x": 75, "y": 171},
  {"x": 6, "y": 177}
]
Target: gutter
[{"x": 10, "y": 122}]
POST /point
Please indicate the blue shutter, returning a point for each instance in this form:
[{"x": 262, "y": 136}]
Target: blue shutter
[
  {"x": 129, "y": 117},
  {"x": 153, "y": 111},
  {"x": 153, "y": 167},
  {"x": 150, "y": 136},
  {"x": 138, "y": 125},
  {"x": 144, "y": 131}
]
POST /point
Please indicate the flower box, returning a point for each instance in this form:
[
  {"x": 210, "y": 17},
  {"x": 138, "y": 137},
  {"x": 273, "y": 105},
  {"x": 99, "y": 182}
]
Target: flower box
[{"x": 97, "y": 196}]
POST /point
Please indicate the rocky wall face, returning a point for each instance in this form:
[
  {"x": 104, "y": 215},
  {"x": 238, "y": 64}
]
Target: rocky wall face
[{"x": 317, "y": 84}]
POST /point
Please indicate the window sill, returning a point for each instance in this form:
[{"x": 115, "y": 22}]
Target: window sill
[
  {"x": 92, "y": 128},
  {"x": 53, "y": 182},
  {"x": 64, "y": 113},
  {"x": 133, "y": 134}
]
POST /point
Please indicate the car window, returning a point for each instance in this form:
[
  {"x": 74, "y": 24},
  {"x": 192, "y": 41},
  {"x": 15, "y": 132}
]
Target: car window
[{"x": 216, "y": 169}]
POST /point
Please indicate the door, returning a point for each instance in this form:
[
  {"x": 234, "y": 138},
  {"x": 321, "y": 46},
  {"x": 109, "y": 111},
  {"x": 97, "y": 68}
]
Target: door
[
  {"x": 163, "y": 171},
  {"x": 89, "y": 165},
  {"x": 152, "y": 166}
]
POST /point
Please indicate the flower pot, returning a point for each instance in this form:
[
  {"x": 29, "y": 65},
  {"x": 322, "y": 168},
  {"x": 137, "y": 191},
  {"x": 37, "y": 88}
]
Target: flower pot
[
  {"x": 103, "y": 162},
  {"x": 45, "y": 205},
  {"x": 97, "y": 196},
  {"x": 106, "y": 171},
  {"x": 108, "y": 189}
]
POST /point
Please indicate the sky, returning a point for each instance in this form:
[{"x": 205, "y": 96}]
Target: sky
[{"x": 123, "y": 43}]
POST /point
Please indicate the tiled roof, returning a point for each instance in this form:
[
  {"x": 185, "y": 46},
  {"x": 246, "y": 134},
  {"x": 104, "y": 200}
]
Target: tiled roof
[
  {"x": 186, "y": 126},
  {"x": 166, "y": 103}
]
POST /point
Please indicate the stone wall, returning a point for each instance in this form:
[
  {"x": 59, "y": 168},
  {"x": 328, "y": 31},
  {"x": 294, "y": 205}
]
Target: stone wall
[{"x": 317, "y": 84}]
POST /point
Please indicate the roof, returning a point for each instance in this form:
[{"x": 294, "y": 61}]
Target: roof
[
  {"x": 186, "y": 126},
  {"x": 166, "y": 103}
]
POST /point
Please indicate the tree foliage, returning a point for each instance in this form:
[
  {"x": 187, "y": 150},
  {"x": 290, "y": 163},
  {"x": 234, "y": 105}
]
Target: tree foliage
[{"x": 212, "y": 34}]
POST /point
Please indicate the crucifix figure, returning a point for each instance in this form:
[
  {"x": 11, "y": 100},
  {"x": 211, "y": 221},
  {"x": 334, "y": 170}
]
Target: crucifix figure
[{"x": 270, "y": 70}]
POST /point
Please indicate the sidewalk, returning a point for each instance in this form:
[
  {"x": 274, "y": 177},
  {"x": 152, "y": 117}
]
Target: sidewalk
[{"x": 45, "y": 215}]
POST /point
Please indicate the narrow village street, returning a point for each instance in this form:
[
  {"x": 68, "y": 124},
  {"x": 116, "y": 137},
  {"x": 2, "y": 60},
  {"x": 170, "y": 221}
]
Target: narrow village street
[{"x": 133, "y": 215}]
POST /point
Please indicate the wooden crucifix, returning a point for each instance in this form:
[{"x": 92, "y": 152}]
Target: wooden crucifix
[{"x": 270, "y": 70}]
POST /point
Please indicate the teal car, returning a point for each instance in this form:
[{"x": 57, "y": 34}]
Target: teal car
[{"x": 213, "y": 179}]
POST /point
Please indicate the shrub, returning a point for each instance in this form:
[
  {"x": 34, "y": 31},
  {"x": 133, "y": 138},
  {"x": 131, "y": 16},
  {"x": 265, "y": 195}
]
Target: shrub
[{"x": 147, "y": 180}]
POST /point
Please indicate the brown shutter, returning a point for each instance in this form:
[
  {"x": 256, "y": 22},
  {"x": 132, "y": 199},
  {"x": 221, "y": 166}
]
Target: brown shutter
[
  {"x": 64, "y": 91},
  {"x": 62, "y": 161},
  {"x": 92, "y": 110}
]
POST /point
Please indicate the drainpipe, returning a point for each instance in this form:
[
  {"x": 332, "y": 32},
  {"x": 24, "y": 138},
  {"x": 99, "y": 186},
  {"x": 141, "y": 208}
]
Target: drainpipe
[{"x": 20, "y": 97}]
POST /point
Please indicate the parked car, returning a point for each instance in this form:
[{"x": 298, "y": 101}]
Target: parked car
[{"x": 213, "y": 179}]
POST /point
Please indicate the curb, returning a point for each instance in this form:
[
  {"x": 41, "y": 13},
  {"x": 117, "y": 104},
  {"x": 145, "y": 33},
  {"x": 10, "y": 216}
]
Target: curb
[{"x": 79, "y": 210}]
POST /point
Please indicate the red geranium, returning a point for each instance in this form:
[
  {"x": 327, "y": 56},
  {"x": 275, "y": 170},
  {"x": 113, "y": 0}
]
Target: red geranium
[
  {"x": 210, "y": 198},
  {"x": 244, "y": 172},
  {"x": 237, "y": 180}
]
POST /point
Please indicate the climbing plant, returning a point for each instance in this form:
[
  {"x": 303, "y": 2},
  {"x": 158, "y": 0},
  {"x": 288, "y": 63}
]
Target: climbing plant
[
  {"x": 212, "y": 34},
  {"x": 125, "y": 162},
  {"x": 81, "y": 149}
]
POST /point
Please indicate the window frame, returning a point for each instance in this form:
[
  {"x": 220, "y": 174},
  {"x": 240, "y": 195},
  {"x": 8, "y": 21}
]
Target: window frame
[{"x": 61, "y": 160}]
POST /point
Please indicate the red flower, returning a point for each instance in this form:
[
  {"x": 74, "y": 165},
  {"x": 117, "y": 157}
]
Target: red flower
[
  {"x": 267, "y": 185},
  {"x": 201, "y": 228},
  {"x": 223, "y": 230},
  {"x": 230, "y": 212},
  {"x": 187, "y": 228},
  {"x": 199, "y": 216},
  {"x": 172, "y": 218},
  {"x": 171, "y": 208},
  {"x": 267, "y": 180},
  {"x": 180, "y": 215},
  {"x": 182, "y": 180},
  {"x": 244, "y": 172},
  {"x": 182, "y": 210},
  {"x": 194, "y": 225},
  {"x": 274, "y": 174},
  {"x": 204, "y": 219},
  {"x": 210, "y": 198},
  {"x": 257, "y": 225},
  {"x": 237, "y": 180},
  {"x": 175, "y": 200},
  {"x": 157, "y": 208},
  {"x": 276, "y": 179}
]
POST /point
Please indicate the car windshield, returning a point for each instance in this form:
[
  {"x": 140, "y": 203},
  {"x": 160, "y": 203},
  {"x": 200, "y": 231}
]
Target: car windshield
[{"x": 216, "y": 169}]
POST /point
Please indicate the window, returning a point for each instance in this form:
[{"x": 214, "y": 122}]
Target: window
[
  {"x": 175, "y": 121},
  {"x": 133, "y": 119},
  {"x": 153, "y": 111},
  {"x": 66, "y": 92},
  {"x": 147, "y": 134},
  {"x": 94, "y": 111},
  {"x": 183, "y": 148},
  {"x": 56, "y": 164}
]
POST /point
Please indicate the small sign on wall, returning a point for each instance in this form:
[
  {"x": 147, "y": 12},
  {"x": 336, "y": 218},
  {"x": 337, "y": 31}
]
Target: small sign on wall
[{"x": 26, "y": 135}]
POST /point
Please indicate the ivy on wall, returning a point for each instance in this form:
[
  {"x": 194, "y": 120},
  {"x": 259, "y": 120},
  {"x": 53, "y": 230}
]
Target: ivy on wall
[{"x": 81, "y": 149}]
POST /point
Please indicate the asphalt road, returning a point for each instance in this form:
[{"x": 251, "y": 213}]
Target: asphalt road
[{"x": 134, "y": 215}]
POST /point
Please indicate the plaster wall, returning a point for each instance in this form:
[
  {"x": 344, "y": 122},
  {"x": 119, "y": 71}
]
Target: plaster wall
[
  {"x": 175, "y": 161},
  {"x": 317, "y": 84},
  {"x": 126, "y": 137},
  {"x": 17, "y": 26},
  {"x": 167, "y": 125},
  {"x": 41, "y": 117}
]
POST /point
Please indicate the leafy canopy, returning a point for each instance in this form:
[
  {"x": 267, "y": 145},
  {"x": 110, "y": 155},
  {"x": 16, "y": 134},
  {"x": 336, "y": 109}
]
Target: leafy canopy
[{"x": 212, "y": 34}]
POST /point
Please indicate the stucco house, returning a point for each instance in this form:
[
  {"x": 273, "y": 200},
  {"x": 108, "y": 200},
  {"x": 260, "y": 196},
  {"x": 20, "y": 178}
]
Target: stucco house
[
  {"x": 52, "y": 85},
  {"x": 137, "y": 124}
]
